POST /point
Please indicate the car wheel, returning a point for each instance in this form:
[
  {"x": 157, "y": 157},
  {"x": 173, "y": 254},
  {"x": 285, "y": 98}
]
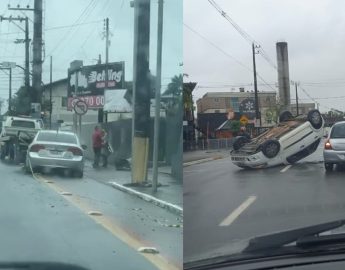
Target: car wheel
[
  {"x": 12, "y": 152},
  {"x": 285, "y": 116},
  {"x": 239, "y": 141},
  {"x": 3, "y": 153},
  {"x": 270, "y": 148},
  {"x": 79, "y": 174},
  {"x": 315, "y": 119},
  {"x": 329, "y": 167}
]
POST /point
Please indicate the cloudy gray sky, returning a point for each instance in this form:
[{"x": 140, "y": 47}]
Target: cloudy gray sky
[
  {"x": 82, "y": 37},
  {"x": 314, "y": 30}
]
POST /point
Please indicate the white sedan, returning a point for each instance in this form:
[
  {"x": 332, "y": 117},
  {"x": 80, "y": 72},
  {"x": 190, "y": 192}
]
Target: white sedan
[
  {"x": 56, "y": 149},
  {"x": 290, "y": 141}
]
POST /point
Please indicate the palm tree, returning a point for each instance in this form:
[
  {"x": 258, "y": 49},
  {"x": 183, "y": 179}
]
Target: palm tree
[{"x": 175, "y": 86}]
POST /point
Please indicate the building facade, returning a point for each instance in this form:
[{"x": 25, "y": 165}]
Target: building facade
[
  {"x": 60, "y": 102},
  {"x": 303, "y": 108},
  {"x": 241, "y": 103}
]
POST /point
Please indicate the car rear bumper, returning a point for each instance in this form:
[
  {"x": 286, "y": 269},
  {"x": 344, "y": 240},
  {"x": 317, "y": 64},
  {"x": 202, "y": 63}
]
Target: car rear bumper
[
  {"x": 332, "y": 156},
  {"x": 77, "y": 163}
]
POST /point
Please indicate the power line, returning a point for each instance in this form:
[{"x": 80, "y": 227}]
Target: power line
[
  {"x": 243, "y": 33},
  {"x": 218, "y": 48},
  {"x": 57, "y": 27},
  {"x": 249, "y": 39},
  {"x": 65, "y": 37},
  {"x": 227, "y": 54}
]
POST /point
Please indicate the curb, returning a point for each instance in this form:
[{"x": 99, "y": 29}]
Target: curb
[
  {"x": 186, "y": 164},
  {"x": 163, "y": 204}
]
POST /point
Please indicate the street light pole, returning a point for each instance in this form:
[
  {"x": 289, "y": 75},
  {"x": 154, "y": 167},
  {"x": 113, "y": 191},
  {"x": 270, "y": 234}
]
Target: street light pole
[
  {"x": 157, "y": 96},
  {"x": 297, "y": 109},
  {"x": 10, "y": 92},
  {"x": 50, "y": 92}
]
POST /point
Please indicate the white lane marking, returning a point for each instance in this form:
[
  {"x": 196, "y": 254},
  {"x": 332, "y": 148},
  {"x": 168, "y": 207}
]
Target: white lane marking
[
  {"x": 286, "y": 168},
  {"x": 238, "y": 211}
]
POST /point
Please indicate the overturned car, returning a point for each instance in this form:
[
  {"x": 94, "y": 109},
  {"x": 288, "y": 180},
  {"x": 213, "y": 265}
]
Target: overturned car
[{"x": 293, "y": 139}]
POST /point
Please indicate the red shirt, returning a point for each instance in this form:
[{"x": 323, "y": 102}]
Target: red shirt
[{"x": 97, "y": 139}]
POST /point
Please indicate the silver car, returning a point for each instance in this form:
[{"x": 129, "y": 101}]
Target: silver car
[
  {"x": 56, "y": 149},
  {"x": 334, "y": 150}
]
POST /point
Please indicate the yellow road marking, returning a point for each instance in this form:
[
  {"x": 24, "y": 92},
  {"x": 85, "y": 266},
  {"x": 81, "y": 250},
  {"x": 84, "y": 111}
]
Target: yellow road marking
[{"x": 156, "y": 259}]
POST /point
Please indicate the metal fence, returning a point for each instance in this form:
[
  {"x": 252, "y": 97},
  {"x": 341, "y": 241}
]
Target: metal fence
[{"x": 210, "y": 144}]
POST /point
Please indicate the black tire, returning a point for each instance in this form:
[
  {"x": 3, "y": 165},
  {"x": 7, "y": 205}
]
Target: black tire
[
  {"x": 329, "y": 167},
  {"x": 285, "y": 116},
  {"x": 239, "y": 141},
  {"x": 315, "y": 119},
  {"x": 3, "y": 152},
  {"x": 12, "y": 152},
  {"x": 270, "y": 148},
  {"x": 79, "y": 174}
]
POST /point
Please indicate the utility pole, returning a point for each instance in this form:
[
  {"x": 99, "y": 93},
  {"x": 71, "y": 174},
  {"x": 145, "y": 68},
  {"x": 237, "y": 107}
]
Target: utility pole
[
  {"x": 296, "y": 99},
  {"x": 106, "y": 50},
  {"x": 10, "y": 93},
  {"x": 50, "y": 92},
  {"x": 37, "y": 52},
  {"x": 157, "y": 96},
  {"x": 106, "y": 35},
  {"x": 27, "y": 64},
  {"x": 257, "y": 112},
  {"x": 27, "y": 44},
  {"x": 141, "y": 90}
]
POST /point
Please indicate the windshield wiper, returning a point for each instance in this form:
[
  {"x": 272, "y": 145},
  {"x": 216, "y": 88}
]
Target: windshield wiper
[
  {"x": 276, "y": 240},
  {"x": 274, "y": 244}
]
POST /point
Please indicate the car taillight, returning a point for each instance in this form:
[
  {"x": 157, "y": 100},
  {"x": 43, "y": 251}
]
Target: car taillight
[
  {"x": 328, "y": 145},
  {"x": 75, "y": 151},
  {"x": 36, "y": 147}
]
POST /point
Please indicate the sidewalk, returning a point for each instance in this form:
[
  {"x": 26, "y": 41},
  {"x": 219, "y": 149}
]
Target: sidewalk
[
  {"x": 192, "y": 156},
  {"x": 169, "y": 191}
]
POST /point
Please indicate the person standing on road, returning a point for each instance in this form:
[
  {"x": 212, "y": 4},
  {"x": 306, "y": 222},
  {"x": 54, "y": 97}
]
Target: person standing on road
[{"x": 97, "y": 145}]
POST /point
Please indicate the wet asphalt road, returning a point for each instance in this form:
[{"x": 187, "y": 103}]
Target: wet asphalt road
[
  {"x": 249, "y": 203},
  {"x": 40, "y": 224}
]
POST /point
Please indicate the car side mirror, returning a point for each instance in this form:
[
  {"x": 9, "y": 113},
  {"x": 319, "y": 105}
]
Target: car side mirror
[{"x": 84, "y": 146}]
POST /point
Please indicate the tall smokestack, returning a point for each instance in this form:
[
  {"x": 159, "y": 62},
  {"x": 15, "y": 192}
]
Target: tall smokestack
[{"x": 283, "y": 75}]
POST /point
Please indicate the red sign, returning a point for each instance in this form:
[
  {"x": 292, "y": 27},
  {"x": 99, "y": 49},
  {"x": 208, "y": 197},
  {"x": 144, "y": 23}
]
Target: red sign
[{"x": 92, "y": 102}]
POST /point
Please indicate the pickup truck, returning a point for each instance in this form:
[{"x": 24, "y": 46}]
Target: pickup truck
[{"x": 16, "y": 135}]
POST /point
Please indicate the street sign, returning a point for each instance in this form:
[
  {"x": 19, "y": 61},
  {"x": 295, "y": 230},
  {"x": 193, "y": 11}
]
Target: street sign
[
  {"x": 244, "y": 120},
  {"x": 8, "y": 64},
  {"x": 80, "y": 107}
]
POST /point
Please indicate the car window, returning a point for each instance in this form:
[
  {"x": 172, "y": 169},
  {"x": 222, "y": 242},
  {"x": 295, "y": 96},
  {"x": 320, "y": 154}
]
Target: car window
[
  {"x": 23, "y": 123},
  {"x": 57, "y": 137},
  {"x": 338, "y": 131}
]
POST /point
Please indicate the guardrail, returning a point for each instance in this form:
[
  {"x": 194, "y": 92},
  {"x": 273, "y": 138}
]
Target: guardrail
[{"x": 210, "y": 144}]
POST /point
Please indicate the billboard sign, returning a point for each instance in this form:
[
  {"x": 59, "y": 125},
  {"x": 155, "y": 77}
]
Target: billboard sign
[
  {"x": 91, "y": 79},
  {"x": 92, "y": 102}
]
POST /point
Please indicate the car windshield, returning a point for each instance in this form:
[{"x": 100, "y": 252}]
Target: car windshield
[
  {"x": 57, "y": 137},
  {"x": 260, "y": 100},
  {"x": 91, "y": 102},
  {"x": 338, "y": 131}
]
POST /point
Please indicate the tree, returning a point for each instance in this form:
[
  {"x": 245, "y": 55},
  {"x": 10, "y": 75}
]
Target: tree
[
  {"x": 21, "y": 102},
  {"x": 175, "y": 86}
]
